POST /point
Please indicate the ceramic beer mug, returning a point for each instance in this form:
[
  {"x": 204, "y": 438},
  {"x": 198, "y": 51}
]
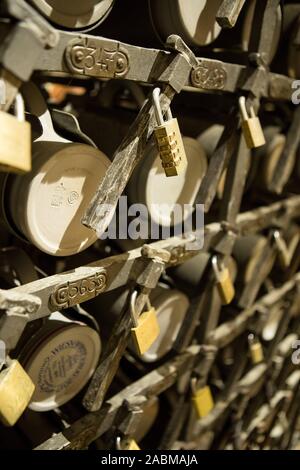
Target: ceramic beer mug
[
  {"x": 267, "y": 157},
  {"x": 46, "y": 205},
  {"x": 195, "y": 20},
  {"x": 293, "y": 51},
  {"x": 171, "y": 306},
  {"x": 74, "y": 14},
  {"x": 275, "y": 32},
  {"x": 149, "y": 186},
  {"x": 60, "y": 358},
  {"x": 59, "y": 353}
]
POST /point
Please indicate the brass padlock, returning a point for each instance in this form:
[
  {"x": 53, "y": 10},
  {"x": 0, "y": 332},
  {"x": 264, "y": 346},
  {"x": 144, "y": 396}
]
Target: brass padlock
[
  {"x": 127, "y": 444},
  {"x": 256, "y": 349},
  {"x": 251, "y": 126},
  {"x": 15, "y": 135},
  {"x": 224, "y": 283},
  {"x": 16, "y": 390},
  {"x": 146, "y": 328},
  {"x": 202, "y": 400},
  {"x": 169, "y": 140}
]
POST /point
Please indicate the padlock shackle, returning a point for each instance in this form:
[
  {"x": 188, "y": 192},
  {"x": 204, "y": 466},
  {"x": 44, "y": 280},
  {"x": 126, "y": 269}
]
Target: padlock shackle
[
  {"x": 252, "y": 112},
  {"x": 133, "y": 314},
  {"x": 251, "y": 338},
  {"x": 282, "y": 248},
  {"x": 279, "y": 241},
  {"x": 214, "y": 262},
  {"x": 20, "y": 108},
  {"x": 276, "y": 234},
  {"x": 157, "y": 108},
  {"x": 169, "y": 114},
  {"x": 243, "y": 109},
  {"x": 193, "y": 384},
  {"x": 118, "y": 443}
]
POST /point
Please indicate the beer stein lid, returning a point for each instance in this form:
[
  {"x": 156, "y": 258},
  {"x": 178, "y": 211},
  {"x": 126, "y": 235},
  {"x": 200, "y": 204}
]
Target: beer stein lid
[
  {"x": 62, "y": 364},
  {"x": 48, "y": 204},
  {"x": 74, "y": 14},
  {"x": 160, "y": 194},
  {"x": 193, "y": 20}
]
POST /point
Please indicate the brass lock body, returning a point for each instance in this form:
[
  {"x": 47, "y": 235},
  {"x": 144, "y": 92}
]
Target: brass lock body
[
  {"x": 256, "y": 349},
  {"x": 129, "y": 444},
  {"x": 15, "y": 151},
  {"x": 16, "y": 390},
  {"x": 224, "y": 283},
  {"x": 126, "y": 444},
  {"x": 251, "y": 126},
  {"x": 202, "y": 401},
  {"x": 146, "y": 328},
  {"x": 169, "y": 140}
]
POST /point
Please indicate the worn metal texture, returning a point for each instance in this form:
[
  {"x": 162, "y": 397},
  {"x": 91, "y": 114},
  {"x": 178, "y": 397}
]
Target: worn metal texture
[{"x": 255, "y": 405}]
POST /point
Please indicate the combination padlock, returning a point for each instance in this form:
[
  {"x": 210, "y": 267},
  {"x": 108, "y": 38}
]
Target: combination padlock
[
  {"x": 256, "y": 349},
  {"x": 146, "y": 328},
  {"x": 202, "y": 400},
  {"x": 169, "y": 141},
  {"x": 16, "y": 390},
  {"x": 224, "y": 283},
  {"x": 251, "y": 126},
  {"x": 15, "y": 134},
  {"x": 127, "y": 444}
]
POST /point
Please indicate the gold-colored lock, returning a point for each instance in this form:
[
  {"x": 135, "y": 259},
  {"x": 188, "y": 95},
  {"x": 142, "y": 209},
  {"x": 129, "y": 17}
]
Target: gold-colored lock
[
  {"x": 224, "y": 283},
  {"x": 146, "y": 328},
  {"x": 15, "y": 134},
  {"x": 16, "y": 390},
  {"x": 251, "y": 126},
  {"x": 202, "y": 400},
  {"x": 169, "y": 140},
  {"x": 127, "y": 444},
  {"x": 256, "y": 349}
]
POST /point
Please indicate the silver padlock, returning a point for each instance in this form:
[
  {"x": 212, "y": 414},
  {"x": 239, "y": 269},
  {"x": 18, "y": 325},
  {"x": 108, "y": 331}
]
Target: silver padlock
[
  {"x": 251, "y": 126},
  {"x": 15, "y": 136},
  {"x": 169, "y": 140}
]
